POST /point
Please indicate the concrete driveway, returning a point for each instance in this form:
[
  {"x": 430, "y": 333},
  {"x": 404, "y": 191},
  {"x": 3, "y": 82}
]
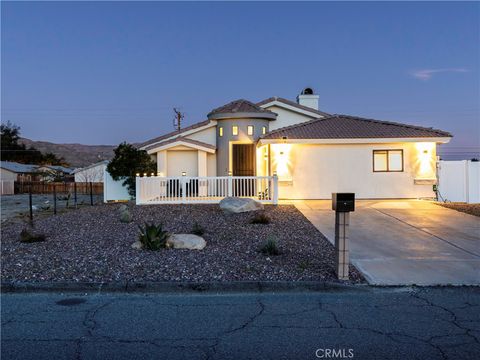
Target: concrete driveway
[{"x": 400, "y": 242}]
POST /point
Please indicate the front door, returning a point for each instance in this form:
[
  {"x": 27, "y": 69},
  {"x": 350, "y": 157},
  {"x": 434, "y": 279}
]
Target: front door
[{"x": 243, "y": 160}]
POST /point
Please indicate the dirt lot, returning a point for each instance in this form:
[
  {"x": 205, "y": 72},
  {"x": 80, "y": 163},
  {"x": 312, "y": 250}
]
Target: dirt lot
[
  {"x": 16, "y": 207},
  {"x": 91, "y": 244},
  {"x": 472, "y": 209}
]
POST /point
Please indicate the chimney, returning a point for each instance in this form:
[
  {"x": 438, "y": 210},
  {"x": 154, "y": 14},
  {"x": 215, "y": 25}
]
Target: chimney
[{"x": 308, "y": 98}]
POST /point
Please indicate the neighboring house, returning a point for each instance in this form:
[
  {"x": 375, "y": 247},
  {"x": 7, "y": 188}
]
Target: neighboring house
[
  {"x": 28, "y": 172},
  {"x": 312, "y": 152},
  {"x": 10, "y": 170},
  {"x": 91, "y": 173},
  {"x": 55, "y": 173}
]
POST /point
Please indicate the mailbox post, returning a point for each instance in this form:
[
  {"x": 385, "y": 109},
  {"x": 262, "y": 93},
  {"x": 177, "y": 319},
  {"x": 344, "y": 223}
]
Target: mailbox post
[{"x": 343, "y": 204}]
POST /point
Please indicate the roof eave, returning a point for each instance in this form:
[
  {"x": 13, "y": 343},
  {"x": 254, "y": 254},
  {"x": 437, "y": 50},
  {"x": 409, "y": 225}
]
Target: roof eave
[
  {"x": 439, "y": 140},
  {"x": 242, "y": 115}
]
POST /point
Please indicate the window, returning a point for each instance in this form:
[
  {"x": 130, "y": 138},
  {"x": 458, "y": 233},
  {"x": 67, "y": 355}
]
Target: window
[
  {"x": 387, "y": 160},
  {"x": 235, "y": 130},
  {"x": 220, "y": 131},
  {"x": 264, "y": 130},
  {"x": 250, "y": 130}
]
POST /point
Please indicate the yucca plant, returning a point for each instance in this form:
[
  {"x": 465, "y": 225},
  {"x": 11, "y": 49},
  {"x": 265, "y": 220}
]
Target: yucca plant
[{"x": 152, "y": 236}]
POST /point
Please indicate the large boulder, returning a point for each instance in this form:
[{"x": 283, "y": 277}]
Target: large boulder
[
  {"x": 239, "y": 205},
  {"x": 186, "y": 241}
]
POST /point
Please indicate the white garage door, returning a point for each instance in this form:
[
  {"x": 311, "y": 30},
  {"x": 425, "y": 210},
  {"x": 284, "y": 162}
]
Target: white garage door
[{"x": 179, "y": 161}]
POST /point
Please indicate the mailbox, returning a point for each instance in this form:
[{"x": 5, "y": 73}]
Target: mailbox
[{"x": 343, "y": 202}]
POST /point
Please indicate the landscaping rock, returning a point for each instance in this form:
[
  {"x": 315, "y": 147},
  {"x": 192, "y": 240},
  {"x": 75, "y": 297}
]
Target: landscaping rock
[
  {"x": 239, "y": 205},
  {"x": 186, "y": 241},
  {"x": 137, "y": 245},
  {"x": 125, "y": 216},
  {"x": 123, "y": 208}
]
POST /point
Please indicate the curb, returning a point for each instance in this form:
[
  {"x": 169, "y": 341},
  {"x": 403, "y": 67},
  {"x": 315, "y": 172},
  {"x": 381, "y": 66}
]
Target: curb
[{"x": 177, "y": 287}]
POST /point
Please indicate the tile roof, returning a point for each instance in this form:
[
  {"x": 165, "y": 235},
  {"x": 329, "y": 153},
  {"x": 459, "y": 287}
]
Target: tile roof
[
  {"x": 239, "y": 106},
  {"x": 181, "y": 138},
  {"x": 352, "y": 127},
  {"x": 173, "y": 133},
  {"x": 17, "y": 167},
  {"x": 292, "y": 103}
]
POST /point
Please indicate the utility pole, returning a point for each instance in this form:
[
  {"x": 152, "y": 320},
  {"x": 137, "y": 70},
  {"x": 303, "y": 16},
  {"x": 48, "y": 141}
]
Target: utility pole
[{"x": 177, "y": 120}]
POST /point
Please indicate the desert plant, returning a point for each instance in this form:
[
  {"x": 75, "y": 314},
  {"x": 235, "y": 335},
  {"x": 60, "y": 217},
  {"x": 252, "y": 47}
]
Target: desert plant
[
  {"x": 153, "y": 237},
  {"x": 260, "y": 218},
  {"x": 198, "y": 229},
  {"x": 270, "y": 247},
  {"x": 27, "y": 236}
]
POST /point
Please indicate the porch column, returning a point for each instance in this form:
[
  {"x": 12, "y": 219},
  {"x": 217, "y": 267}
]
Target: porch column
[
  {"x": 162, "y": 163},
  {"x": 202, "y": 172},
  {"x": 162, "y": 170}
]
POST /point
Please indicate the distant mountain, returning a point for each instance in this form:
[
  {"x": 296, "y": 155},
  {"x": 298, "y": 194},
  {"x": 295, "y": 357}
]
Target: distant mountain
[{"x": 77, "y": 155}]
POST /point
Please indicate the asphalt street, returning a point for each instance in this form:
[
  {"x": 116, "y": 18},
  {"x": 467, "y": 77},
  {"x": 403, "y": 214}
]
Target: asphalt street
[{"x": 359, "y": 323}]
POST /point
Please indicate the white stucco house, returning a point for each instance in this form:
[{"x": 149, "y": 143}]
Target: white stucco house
[
  {"x": 313, "y": 153},
  {"x": 91, "y": 173}
]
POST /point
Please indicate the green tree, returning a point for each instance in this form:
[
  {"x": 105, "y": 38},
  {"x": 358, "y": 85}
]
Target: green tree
[{"x": 127, "y": 162}]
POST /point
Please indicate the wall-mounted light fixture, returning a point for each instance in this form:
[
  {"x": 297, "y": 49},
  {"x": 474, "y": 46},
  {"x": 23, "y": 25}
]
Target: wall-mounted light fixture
[
  {"x": 184, "y": 173},
  {"x": 153, "y": 174},
  {"x": 137, "y": 174},
  {"x": 144, "y": 174},
  {"x": 229, "y": 173}
]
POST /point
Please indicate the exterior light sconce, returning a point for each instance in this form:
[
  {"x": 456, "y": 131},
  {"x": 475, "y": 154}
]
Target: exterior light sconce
[
  {"x": 137, "y": 174},
  {"x": 153, "y": 174},
  {"x": 184, "y": 173},
  {"x": 274, "y": 173},
  {"x": 229, "y": 173},
  {"x": 144, "y": 174}
]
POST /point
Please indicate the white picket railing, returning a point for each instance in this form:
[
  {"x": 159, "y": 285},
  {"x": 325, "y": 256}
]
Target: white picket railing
[{"x": 206, "y": 190}]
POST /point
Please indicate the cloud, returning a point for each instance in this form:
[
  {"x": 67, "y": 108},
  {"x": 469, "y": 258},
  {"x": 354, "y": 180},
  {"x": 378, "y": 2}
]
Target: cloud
[{"x": 426, "y": 74}]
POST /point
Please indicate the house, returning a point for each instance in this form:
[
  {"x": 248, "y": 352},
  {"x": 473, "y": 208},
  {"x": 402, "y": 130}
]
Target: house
[
  {"x": 29, "y": 172},
  {"x": 313, "y": 153},
  {"x": 91, "y": 173},
  {"x": 13, "y": 171},
  {"x": 55, "y": 173}
]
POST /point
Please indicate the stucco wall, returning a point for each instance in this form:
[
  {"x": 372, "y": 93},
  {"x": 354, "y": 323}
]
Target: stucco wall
[
  {"x": 223, "y": 142},
  {"x": 286, "y": 118},
  {"x": 93, "y": 174},
  {"x": 207, "y": 136},
  {"x": 318, "y": 170},
  {"x": 7, "y": 175}
]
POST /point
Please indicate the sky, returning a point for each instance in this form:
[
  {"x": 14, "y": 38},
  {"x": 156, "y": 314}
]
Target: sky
[{"x": 107, "y": 72}]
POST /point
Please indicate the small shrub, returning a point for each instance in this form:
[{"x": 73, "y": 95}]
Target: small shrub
[
  {"x": 260, "y": 218},
  {"x": 153, "y": 237},
  {"x": 270, "y": 247},
  {"x": 198, "y": 229},
  {"x": 304, "y": 265},
  {"x": 29, "y": 237}
]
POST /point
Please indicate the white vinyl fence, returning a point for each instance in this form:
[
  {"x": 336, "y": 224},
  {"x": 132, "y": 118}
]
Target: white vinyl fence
[
  {"x": 459, "y": 181},
  {"x": 113, "y": 190},
  {"x": 189, "y": 190}
]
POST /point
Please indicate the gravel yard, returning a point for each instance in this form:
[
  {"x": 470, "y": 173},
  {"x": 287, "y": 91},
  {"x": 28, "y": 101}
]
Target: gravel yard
[
  {"x": 472, "y": 209},
  {"x": 91, "y": 244}
]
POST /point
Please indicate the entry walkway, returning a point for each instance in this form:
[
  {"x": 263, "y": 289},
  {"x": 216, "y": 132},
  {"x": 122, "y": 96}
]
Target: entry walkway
[{"x": 398, "y": 242}]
